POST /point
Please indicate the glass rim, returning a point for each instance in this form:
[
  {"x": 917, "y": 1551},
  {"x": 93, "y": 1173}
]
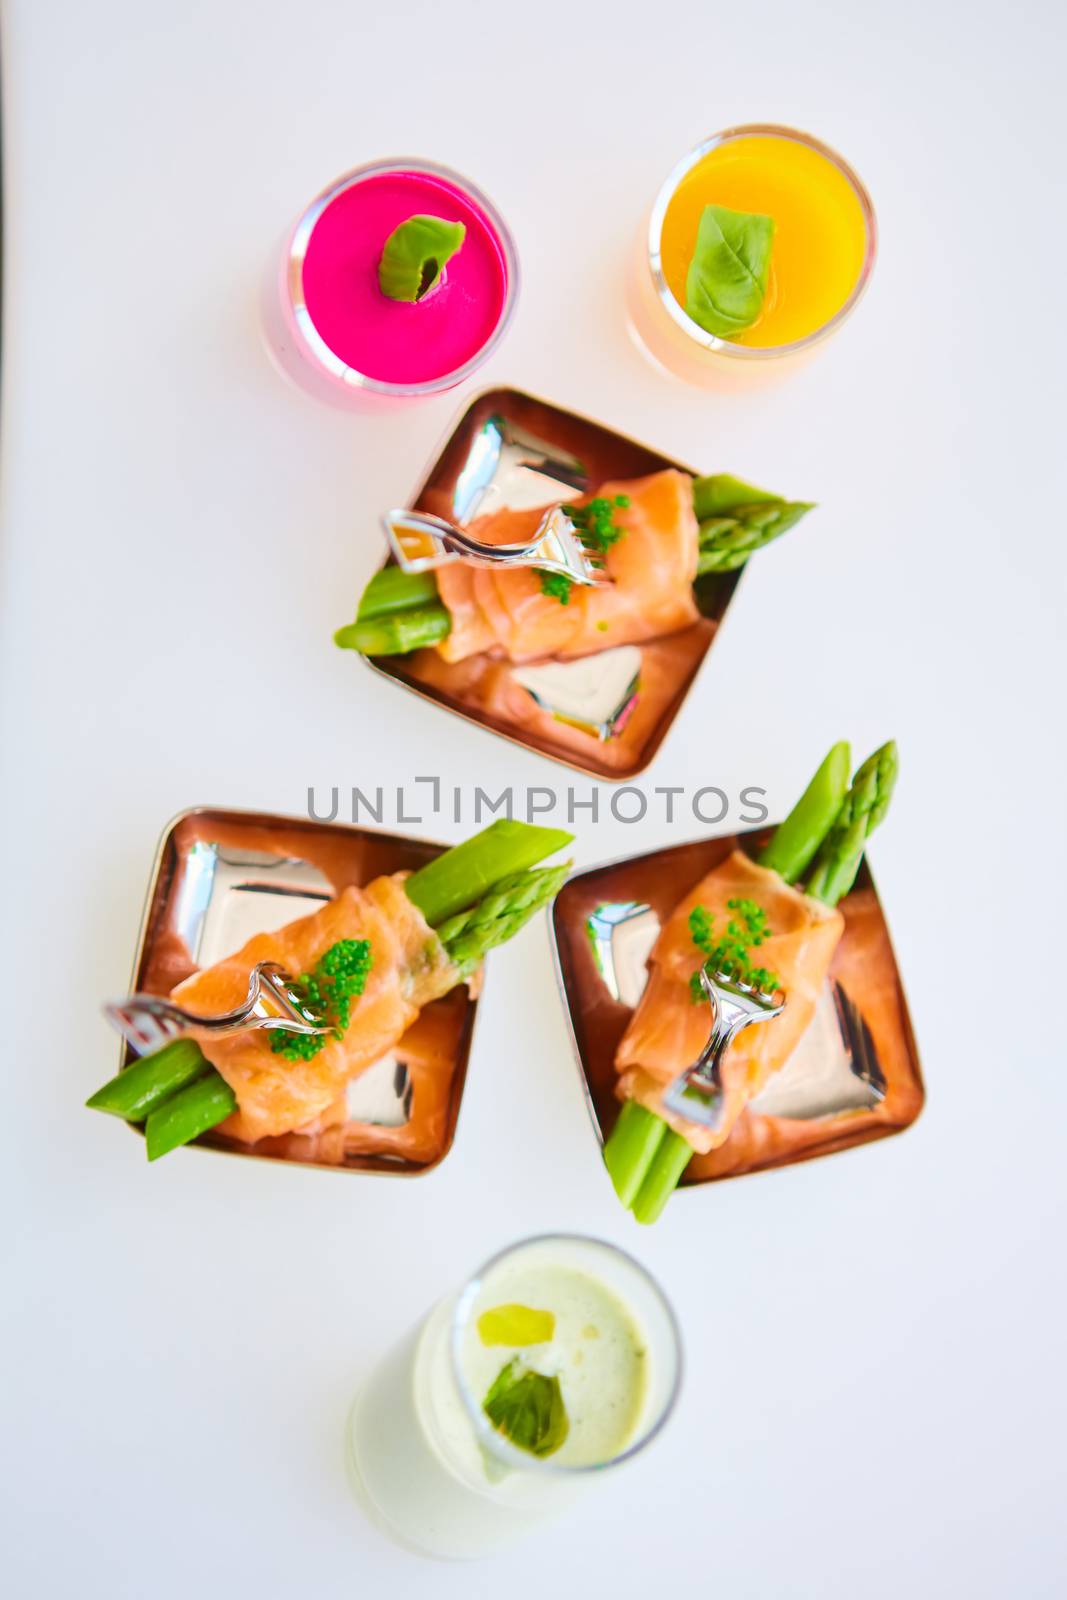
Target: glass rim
[
  {"x": 486, "y": 1434},
  {"x": 678, "y": 314},
  {"x": 296, "y": 250}
]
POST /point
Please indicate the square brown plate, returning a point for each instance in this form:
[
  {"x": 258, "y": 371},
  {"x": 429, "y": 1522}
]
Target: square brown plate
[
  {"x": 221, "y": 876},
  {"x": 669, "y": 665},
  {"x": 855, "y": 1075}
]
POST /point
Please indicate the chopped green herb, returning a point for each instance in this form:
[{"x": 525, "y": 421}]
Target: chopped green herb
[
  {"x": 527, "y": 1408},
  {"x": 595, "y": 527},
  {"x": 340, "y": 976},
  {"x": 558, "y": 585},
  {"x": 731, "y": 951},
  {"x": 594, "y": 521}
]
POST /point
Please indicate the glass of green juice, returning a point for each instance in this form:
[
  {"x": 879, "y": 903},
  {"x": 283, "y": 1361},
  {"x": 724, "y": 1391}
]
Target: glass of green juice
[{"x": 558, "y": 1361}]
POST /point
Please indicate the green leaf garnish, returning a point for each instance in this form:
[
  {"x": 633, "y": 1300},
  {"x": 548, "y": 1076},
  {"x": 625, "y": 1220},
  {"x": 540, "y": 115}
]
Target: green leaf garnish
[
  {"x": 515, "y": 1325},
  {"x": 558, "y": 585},
  {"x": 340, "y": 976},
  {"x": 730, "y": 952},
  {"x": 727, "y": 279},
  {"x": 527, "y": 1408},
  {"x": 595, "y": 525},
  {"x": 415, "y": 255}
]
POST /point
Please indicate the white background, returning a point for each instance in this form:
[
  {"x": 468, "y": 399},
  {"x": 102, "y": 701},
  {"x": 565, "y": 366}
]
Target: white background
[{"x": 875, "y": 1399}]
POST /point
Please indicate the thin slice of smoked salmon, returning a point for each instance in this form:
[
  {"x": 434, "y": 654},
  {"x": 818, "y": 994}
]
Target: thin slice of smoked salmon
[
  {"x": 652, "y": 567},
  {"x": 409, "y": 968},
  {"x": 668, "y": 1031}
]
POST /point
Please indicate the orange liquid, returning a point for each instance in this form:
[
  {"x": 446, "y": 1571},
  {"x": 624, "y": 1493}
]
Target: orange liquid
[{"x": 820, "y": 234}]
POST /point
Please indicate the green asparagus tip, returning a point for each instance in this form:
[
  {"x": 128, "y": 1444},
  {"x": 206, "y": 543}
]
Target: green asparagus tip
[
  {"x": 796, "y": 840},
  {"x": 146, "y": 1083},
  {"x": 461, "y": 876},
  {"x": 499, "y": 914},
  {"x": 864, "y": 807}
]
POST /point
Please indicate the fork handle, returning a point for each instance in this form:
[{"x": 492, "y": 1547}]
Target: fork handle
[
  {"x": 704, "y": 1078},
  {"x": 453, "y": 542},
  {"x": 706, "y": 1070}
]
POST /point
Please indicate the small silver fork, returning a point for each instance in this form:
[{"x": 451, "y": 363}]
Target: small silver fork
[
  {"x": 556, "y": 547},
  {"x": 697, "y": 1093},
  {"x": 147, "y": 1021}
]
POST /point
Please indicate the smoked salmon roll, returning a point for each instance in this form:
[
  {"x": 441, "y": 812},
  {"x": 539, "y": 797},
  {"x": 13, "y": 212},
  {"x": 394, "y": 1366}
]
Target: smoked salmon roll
[
  {"x": 652, "y": 564},
  {"x": 408, "y": 968},
  {"x": 366, "y": 978},
  {"x": 670, "y": 1026},
  {"x": 753, "y": 921}
]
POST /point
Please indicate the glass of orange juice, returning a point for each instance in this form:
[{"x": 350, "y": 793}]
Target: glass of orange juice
[{"x": 822, "y": 254}]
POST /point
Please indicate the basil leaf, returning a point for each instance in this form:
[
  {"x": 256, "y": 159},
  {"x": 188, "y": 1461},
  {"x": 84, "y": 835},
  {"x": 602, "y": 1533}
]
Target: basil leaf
[
  {"x": 527, "y": 1408},
  {"x": 727, "y": 278},
  {"x": 415, "y": 255}
]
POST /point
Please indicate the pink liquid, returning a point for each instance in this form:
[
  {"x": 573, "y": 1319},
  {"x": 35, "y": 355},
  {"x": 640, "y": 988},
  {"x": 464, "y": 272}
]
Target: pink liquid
[{"x": 390, "y": 340}]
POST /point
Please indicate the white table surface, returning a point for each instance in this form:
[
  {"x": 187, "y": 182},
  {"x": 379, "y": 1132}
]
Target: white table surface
[{"x": 880, "y": 1410}]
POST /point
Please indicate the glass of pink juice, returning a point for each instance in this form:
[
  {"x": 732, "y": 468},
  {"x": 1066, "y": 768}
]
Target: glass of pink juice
[{"x": 330, "y": 327}]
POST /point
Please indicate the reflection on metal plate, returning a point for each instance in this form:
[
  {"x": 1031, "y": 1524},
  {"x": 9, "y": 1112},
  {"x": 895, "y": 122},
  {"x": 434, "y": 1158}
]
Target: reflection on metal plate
[
  {"x": 382, "y": 1094},
  {"x": 227, "y": 895},
  {"x": 508, "y": 468},
  {"x": 596, "y": 693},
  {"x": 622, "y": 934},
  {"x": 832, "y": 1069},
  {"x": 835, "y": 1066}
]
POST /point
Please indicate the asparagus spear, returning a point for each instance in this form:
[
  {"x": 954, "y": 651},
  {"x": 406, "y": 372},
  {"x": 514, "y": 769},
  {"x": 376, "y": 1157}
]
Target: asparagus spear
[
  {"x": 394, "y": 589},
  {"x": 145, "y": 1084},
  {"x": 401, "y": 611},
  {"x": 188, "y": 1113},
  {"x": 458, "y": 878},
  {"x": 826, "y": 825},
  {"x": 737, "y": 519},
  {"x": 796, "y": 840},
  {"x": 723, "y": 495},
  {"x": 863, "y": 808},
  {"x": 499, "y": 915},
  {"x": 631, "y": 1149},
  {"x": 727, "y": 542},
  {"x": 396, "y": 633},
  {"x": 662, "y": 1178},
  {"x": 477, "y": 895}
]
